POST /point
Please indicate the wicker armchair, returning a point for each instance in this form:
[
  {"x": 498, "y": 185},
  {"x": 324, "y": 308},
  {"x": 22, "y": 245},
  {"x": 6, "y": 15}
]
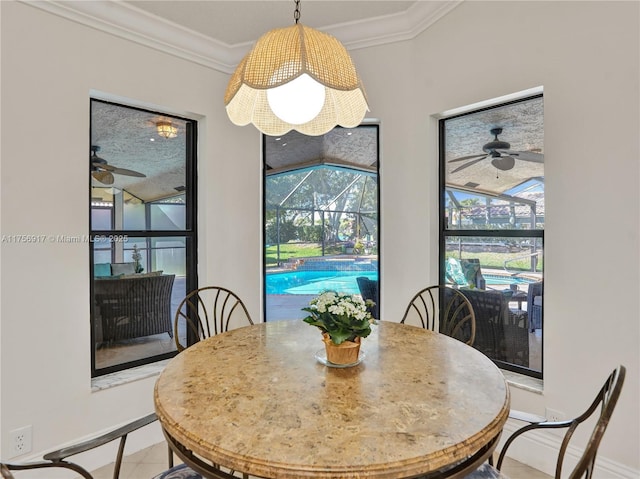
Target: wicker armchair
[
  {"x": 133, "y": 307},
  {"x": 501, "y": 334}
]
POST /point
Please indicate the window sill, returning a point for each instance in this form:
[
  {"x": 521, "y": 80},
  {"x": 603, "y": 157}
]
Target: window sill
[
  {"x": 128, "y": 376},
  {"x": 521, "y": 381}
]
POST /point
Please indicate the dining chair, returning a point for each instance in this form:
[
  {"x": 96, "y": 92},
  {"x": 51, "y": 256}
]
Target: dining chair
[
  {"x": 604, "y": 402},
  {"x": 58, "y": 458},
  {"x": 445, "y": 307},
  {"x": 208, "y": 311}
]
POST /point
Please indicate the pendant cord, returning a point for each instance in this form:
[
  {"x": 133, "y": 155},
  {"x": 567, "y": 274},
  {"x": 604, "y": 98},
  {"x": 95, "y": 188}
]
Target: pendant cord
[{"x": 296, "y": 13}]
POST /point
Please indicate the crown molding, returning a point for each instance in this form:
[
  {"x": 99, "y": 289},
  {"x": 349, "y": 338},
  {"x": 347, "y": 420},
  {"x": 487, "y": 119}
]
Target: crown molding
[
  {"x": 133, "y": 24},
  {"x": 391, "y": 28}
]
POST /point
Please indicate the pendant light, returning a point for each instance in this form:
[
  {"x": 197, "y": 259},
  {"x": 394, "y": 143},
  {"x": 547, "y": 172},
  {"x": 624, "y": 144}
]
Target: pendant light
[{"x": 296, "y": 78}]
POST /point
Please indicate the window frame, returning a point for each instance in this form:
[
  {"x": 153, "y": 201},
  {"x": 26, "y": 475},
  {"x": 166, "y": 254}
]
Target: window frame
[
  {"x": 444, "y": 232},
  {"x": 368, "y": 124},
  {"x": 190, "y": 233}
]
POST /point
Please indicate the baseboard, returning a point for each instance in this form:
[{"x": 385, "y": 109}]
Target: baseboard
[{"x": 540, "y": 450}]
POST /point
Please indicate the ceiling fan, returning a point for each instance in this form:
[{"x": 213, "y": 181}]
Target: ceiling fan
[
  {"x": 501, "y": 156},
  {"x": 103, "y": 172}
]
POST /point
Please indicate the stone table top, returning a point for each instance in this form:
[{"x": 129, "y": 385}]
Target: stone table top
[{"x": 256, "y": 400}]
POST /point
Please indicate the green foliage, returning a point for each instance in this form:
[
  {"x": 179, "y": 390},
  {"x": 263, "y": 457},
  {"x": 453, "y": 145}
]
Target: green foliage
[
  {"x": 288, "y": 230},
  {"x": 310, "y": 233}
]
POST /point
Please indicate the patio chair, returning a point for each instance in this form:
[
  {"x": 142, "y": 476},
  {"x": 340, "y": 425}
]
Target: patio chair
[
  {"x": 58, "y": 459},
  {"x": 534, "y": 305},
  {"x": 501, "y": 333},
  {"x": 369, "y": 290},
  {"x": 446, "y": 307},
  {"x": 602, "y": 407},
  {"x": 208, "y": 311},
  {"x": 133, "y": 306},
  {"x": 464, "y": 272}
]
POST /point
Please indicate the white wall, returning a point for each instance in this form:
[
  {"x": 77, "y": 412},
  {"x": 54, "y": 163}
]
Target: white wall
[
  {"x": 584, "y": 54},
  {"x": 49, "y": 67}
]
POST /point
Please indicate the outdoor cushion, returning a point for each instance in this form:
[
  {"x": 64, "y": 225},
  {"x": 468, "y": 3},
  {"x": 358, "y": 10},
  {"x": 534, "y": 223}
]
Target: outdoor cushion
[
  {"x": 123, "y": 268},
  {"x": 181, "y": 471},
  {"x": 101, "y": 270},
  {"x": 454, "y": 272}
]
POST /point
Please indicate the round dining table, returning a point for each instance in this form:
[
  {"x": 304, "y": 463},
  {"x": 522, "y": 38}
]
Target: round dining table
[{"x": 262, "y": 400}]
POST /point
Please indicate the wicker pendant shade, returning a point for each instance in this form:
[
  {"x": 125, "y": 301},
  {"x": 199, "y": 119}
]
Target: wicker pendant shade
[{"x": 283, "y": 55}]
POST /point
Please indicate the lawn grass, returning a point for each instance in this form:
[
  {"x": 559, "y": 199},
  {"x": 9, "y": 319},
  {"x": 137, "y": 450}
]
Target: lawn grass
[
  {"x": 496, "y": 261},
  {"x": 291, "y": 250},
  {"x": 310, "y": 250}
]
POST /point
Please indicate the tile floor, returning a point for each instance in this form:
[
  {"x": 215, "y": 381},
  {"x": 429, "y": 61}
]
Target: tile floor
[{"x": 153, "y": 460}]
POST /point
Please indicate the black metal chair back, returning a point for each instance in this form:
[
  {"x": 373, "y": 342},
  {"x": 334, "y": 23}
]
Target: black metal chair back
[
  {"x": 445, "y": 307},
  {"x": 602, "y": 406},
  {"x": 208, "y": 311}
]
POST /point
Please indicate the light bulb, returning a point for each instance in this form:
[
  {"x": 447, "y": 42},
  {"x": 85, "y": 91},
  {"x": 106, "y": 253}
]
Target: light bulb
[{"x": 298, "y": 101}]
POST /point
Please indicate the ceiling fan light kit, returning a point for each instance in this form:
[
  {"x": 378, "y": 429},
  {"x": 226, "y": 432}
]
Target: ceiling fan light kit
[
  {"x": 296, "y": 78},
  {"x": 166, "y": 129}
]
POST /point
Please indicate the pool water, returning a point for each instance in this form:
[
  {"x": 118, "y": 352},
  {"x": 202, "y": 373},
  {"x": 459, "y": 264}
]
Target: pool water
[
  {"x": 500, "y": 279},
  {"x": 314, "y": 282}
]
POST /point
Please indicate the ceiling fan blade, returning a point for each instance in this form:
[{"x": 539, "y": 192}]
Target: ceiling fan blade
[
  {"x": 124, "y": 171},
  {"x": 503, "y": 163},
  {"x": 467, "y": 165},
  {"x": 525, "y": 155},
  {"x": 104, "y": 177},
  {"x": 462, "y": 158},
  {"x": 102, "y": 165}
]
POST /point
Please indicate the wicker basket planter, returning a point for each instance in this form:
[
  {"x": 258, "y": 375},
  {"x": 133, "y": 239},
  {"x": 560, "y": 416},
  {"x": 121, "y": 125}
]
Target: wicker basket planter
[{"x": 343, "y": 353}]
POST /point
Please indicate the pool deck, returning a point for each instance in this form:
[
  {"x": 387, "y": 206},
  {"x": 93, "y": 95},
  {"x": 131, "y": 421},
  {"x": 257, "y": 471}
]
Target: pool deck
[{"x": 287, "y": 306}]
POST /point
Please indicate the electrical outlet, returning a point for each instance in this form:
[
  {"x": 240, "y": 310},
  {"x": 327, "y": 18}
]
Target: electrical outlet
[
  {"x": 20, "y": 441},
  {"x": 554, "y": 415}
]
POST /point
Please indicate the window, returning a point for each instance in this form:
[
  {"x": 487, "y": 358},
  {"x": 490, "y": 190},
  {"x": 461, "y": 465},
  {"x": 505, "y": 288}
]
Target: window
[
  {"x": 142, "y": 232},
  {"x": 321, "y": 217},
  {"x": 492, "y": 226}
]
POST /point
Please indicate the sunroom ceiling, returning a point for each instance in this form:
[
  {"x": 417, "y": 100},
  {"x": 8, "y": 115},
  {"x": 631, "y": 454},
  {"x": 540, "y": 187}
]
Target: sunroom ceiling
[
  {"x": 352, "y": 147},
  {"x": 522, "y": 127}
]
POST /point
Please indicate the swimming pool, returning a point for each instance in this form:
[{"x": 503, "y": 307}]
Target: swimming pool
[
  {"x": 504, "y": 279},
  {"x": 314, "y": 282}
]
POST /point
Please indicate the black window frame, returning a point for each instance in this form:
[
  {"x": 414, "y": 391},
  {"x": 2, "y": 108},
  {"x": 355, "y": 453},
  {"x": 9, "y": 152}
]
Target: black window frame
[
  {"x": 444, "y": 232},
  {"x": 265, "y": 168},
  {"x": 190, "y": 233}
]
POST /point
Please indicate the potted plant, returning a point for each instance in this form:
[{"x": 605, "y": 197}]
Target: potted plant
[
  {"x": 343, "y": 319},
  {"x": 136, "y": 257}
]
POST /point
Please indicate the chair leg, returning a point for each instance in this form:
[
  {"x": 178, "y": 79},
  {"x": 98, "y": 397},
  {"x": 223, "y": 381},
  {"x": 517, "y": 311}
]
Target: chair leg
[{"x": 120, "y": 455}]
